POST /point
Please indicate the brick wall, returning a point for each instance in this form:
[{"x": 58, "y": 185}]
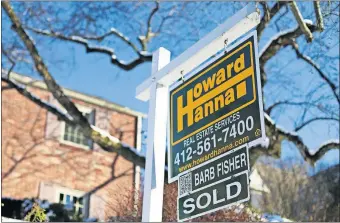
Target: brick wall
[{"x": 33, "y": 155}]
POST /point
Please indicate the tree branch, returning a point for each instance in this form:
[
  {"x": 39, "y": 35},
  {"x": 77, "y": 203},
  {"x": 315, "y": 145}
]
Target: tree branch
[
  {"x": 53, "y": 87},
  {"x": 103, "y": 139},
  {"x": 303, "y": 103},
  {"x": 83, "y": 40},
  {"x": 281, "y": 40},
  {"x": 317, "y": 68},
  {"x": 298, "y": 128},
  {"x": 300, "y": 20},
  {"x": 319, "y": 18},
  {"x": 10, "y": 59},
  {"x": 23, "y": 91},
  {"x": 268, "y": 15},
  {"x": 154, "y": 10},
  {"x": 323, "y": 149},
  {"x": 281, "y": 134},
  {"x": 144, "y": 40}
]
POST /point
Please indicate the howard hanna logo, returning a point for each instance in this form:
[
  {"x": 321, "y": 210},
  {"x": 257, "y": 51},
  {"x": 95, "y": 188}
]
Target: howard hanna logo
[{"x": 221, "y": 89}]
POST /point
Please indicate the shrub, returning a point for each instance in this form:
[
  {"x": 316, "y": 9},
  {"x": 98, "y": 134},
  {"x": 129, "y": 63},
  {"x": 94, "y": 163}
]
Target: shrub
[
  {"x": 37, "y": 214},
  {"x": 37, "y": 210}
]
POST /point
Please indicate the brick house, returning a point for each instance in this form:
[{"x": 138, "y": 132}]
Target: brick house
[{"x": 45, "y": 158}]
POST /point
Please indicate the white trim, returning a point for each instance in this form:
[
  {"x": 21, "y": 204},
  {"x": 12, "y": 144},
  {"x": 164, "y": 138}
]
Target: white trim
[
  {"x": 139, "y": 133},
  {"x": 28, "y": 81},
  {"x": 68, "y": 191},
  {"x": 234, "y": 27}
]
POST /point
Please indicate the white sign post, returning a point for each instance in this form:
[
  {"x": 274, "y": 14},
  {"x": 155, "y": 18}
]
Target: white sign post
[
  {"x": 155, "y": 89},
  {"x": 156, "y": 143}
]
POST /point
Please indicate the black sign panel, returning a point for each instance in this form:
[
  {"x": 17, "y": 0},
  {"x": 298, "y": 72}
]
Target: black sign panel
[
  {"x": 220, "y": 195},
  {"x": 230, "y": 163},
  {"x": 216, "y": 110}
]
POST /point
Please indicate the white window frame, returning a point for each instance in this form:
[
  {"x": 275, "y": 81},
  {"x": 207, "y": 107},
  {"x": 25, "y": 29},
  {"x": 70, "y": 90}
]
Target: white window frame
[
  {"x": 63, "y": 125},
  {"x": 73, "y": 193}
]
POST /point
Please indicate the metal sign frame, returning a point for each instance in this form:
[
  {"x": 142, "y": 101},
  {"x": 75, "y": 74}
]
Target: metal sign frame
[{"x": 259, "y": 92}]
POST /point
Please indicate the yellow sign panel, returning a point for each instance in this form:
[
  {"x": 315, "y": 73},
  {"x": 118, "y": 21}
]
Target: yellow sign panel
[{"x": 213, "y": 93}]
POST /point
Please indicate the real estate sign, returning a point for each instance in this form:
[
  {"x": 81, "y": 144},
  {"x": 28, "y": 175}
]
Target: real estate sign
[{"x": 216, "y": 109}]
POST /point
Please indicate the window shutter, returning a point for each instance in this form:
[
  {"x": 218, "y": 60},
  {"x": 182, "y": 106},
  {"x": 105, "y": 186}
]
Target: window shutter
[
  {"x": 47, "y": 192},
  {"x": 97, "y": 207},
  {"x": 53, "y": 125}
]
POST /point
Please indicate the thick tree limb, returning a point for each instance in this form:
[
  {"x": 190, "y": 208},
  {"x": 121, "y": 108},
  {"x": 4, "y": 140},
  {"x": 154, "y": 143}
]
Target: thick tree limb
[
  {"x": 103, "y": 139},
  {"x": 268, "y": 15},
  {"x": 281, "y": 40},
  {"x": 23, "y": 91},
  {"x": 82, "y": 40},
  {"x": 280, "y": 134},
  {"x": 53, "y": 87},
  {"x": 317, "y": 68},
  {"x": 300, "y": 20},
  {"x": 323, "y": 149},
  {"x": 106, "y": 141},
  {"x": 276, "y": 43},
  {"x": 111, "y": 144},
  {"x": 318, "y": 14}
]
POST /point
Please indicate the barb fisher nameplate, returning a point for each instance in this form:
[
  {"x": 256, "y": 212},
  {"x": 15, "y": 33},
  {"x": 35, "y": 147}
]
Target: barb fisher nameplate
[
  {"x": 224, "y": 166},
  {"x": 216, "y": 109}
]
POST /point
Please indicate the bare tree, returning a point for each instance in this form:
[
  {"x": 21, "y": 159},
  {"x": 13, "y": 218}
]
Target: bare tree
[
  {"x": 153, "y": 22},
  {"x": 296, "y": 195}
]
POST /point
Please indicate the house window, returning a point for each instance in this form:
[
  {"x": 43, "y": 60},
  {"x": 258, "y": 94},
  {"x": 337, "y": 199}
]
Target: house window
[
  {"x": 72, "y": 203},
  {"x": 73, "y": 134}
]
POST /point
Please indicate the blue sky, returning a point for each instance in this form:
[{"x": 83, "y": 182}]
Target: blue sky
[{"x": 287, "y": 77}]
